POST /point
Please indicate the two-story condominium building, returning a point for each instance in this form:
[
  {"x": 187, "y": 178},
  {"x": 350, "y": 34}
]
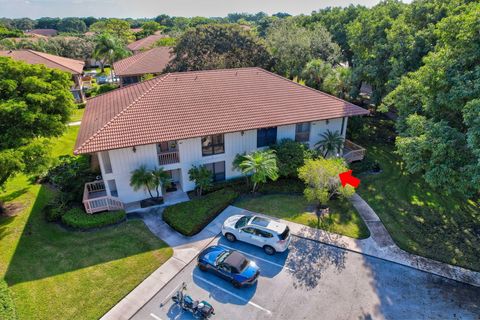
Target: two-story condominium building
[{"x": 183, "y": 119}]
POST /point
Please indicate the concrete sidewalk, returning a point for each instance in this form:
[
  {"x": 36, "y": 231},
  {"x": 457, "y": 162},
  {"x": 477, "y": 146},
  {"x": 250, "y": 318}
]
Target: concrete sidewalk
[{"x": 379, "y": 245}]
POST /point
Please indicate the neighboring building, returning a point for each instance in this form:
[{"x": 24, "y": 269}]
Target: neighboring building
[
  {"x": 145, "y": 43},
  {"x": 130, "y": 70},
  {"x": 183, "y": 119},
  {"x": 74, "y": 67},
  {"x": 43, "y": 32}
]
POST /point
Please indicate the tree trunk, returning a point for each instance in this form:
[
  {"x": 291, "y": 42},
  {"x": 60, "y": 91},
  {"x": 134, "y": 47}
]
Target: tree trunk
[{"x": 150, "y": 193}]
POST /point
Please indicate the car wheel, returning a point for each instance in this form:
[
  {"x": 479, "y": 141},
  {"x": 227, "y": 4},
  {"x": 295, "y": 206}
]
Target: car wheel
[
  {"x": 269, "y": 250},
  {"x": 236, "y": 284},
  {"x": 202, "y": 267},
  {"x": 230, "y": 237}
]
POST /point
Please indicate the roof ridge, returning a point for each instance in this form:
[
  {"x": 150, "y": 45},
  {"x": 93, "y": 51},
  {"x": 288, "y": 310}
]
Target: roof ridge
[
  {"x": 135, "y": 61},
  {"x": 160, "y": 80},
  {"x": 305, "y": 86},
  {"x": 40, "y": 54}
]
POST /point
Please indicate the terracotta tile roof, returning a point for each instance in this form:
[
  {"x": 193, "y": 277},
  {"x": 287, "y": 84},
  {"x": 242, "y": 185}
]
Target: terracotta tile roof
[
  {"x": 145, "y": 43},
  {"x": 151, "y": 61},
  {"x": 192, "y": 104},
  {"x": 43, "y": 32},
  {"x": 55, "y": 62}
]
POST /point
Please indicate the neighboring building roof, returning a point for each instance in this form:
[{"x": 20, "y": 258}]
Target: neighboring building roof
[
  {"x": 55, "y": 62},
  {"x": 43, "y": 32},
  {"x": 151, "y": 61},
  {"x": 193, "y": 104},
  {"x": 145, "y": 43}
]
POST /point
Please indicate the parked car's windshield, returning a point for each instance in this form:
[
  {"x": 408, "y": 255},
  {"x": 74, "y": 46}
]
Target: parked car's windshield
[
  {"x": 221, "y": 257},
  {"x": 284, "y": 234},
  {"x": 242, "y": 221}
]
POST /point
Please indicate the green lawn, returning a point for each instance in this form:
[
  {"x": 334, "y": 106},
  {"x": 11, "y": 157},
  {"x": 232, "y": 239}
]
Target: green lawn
[
  {"x": 421, "y": 220},
  {"x": 343, "y": 218},
  {"x": 57, "y": 274},
  {"x": 64, "y": 144},
  {"x": 77, "y": 115}
]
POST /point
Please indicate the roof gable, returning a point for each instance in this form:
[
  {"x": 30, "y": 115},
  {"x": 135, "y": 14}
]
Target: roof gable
[
  {"x": 191, "y": 104},
  {"x": 151, "y": 61},
  {"x": 145, "y": 43},
  {"x": 52, "y": 61}
]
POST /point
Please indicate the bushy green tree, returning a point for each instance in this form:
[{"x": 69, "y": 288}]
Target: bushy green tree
[
  {"x": 218, "y": 46},
  {"x": 291, "y": 156},
  {"x": 261, "y": 165},
  {"x": 116, "y": 27},
  {"x": 321, "y": 177},
  {"x": 35, "y": 103},
  {"x": 293, "y": 45},
  {"x": 202, "y": 177},
  {"x": 72, "y": 25},
  {"x": 438, "y": 107}
]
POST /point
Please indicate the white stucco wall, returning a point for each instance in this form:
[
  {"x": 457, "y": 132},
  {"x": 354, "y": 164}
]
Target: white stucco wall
[{"x": 124, "y": 161}]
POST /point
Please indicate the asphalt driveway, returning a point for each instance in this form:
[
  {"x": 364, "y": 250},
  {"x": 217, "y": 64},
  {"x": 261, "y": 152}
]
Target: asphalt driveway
[{"x": 317, "y": 281}]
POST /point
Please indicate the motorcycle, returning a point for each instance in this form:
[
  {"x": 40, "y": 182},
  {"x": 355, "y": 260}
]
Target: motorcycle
[{"x": 200, "y": 309}]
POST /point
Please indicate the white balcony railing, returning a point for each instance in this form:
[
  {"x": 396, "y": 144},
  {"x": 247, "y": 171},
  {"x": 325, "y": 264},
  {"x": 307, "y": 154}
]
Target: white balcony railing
[
  {"x": 353, "y": 152},
  {"x": 95, "y": 198},
  {"x": 168, "y": 157}
]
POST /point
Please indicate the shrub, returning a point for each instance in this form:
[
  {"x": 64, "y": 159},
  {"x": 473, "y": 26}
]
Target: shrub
[
  {"x": 291, "y": 155},
  {"x": 56, "y": 207},
  {"x": 77, "y": 218},
  {"x": 7, "y": 307},
  {"x": 288, "y": 186},
  {"x": 191, "y": 217},
  {"x": 70, "y": 176}
]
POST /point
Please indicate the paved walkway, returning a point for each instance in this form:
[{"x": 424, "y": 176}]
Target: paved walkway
[{"x": 379, "y": 245}]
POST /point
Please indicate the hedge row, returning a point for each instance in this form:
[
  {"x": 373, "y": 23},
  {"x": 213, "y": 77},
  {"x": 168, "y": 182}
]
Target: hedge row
[
  {"x": 7, "y": 307},
  {"x": 77, "y": 218},
  {"x": 191, "y": 217}
]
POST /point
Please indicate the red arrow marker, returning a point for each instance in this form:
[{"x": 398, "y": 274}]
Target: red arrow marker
[{"x": 347, "y": 178}]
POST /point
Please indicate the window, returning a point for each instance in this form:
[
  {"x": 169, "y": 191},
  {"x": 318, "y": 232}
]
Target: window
[
  {"x": 213, "y": 144},
  {"x": 113, "y": 188},
  {"x": 302, "y": 132},
  {"x": 107, "y": 165},
  {"x": 249, "y": 230},
  {"x": 218, "y": 170},
  {"x": 266, "y": 137},
  {"x": 264, "y": 234}
]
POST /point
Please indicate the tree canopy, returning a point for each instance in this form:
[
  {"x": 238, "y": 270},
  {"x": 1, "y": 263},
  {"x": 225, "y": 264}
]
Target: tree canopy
[
  {"x": 439, "y": 110},
  {"x": 218, "y": 46},
  {"x": 35, "y": 103}
]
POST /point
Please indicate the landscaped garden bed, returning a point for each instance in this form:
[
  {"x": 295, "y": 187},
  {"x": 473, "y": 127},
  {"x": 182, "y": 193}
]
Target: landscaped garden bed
[
  {"x": 78, "y": 219},
  {"x": 191, "y": 217}
]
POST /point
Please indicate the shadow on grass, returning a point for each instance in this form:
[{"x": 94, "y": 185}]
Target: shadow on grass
[
  {"x": 46, "y": 249},
  {"x": 13, "y": 195}
]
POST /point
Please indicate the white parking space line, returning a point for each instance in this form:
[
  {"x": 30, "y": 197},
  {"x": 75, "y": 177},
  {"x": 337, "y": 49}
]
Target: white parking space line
[
  {"x": 256, "y": 257},
  {"x": 232, "y": 294},
  {"x": 169, "y": 295},
  {"x": 155, "y": 317}
]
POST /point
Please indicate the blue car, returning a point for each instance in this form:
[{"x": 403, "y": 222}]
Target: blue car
[{"x": 230, "y": 265}]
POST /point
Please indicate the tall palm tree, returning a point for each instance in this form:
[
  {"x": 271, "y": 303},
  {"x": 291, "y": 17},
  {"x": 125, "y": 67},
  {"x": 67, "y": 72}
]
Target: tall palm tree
[
  {"x": 331, "y": 143},
  {"x": 109, "y": 49},
  {"x": 142, "y": 178},
  {"x": 161, "y": 179},
  {"x": 262, "y": 165}
]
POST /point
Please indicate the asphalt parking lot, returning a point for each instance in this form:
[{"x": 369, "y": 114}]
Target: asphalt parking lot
[{"x": 317, "y": 281}]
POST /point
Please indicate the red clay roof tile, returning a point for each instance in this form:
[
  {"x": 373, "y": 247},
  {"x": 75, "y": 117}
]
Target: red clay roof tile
[
  {"x": 151, "y": 61},
  {"x": 55, "y": 62},
  {"x": 192, "y": 104}
]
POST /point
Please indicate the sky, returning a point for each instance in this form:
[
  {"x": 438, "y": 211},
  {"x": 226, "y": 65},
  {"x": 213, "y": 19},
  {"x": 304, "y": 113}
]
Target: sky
[{"x": 152, "y": 8}]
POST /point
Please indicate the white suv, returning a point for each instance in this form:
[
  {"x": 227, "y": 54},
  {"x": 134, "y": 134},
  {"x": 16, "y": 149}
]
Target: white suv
[{"x": 268, "y": 234}]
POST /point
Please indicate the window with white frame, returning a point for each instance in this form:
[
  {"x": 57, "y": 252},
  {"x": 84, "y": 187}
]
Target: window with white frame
[{"x": 302, "y": 132}]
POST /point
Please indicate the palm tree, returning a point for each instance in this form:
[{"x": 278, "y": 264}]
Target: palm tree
[
  {"x": 109, "y": 49},
  {"x": 142, "y": 178},
  {"x": 331, "y": 143},
  {"x": 262, "y": 165},
  {"x": 161, "y": 179},
  {"x": 202, "y": 177}
]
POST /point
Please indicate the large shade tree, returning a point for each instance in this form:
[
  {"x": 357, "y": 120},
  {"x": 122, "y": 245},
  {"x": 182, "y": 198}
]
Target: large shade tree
[
  {"x": 439, "y": 110},
  {"x": 218, "y": 46},
  {"x": 293, "y": 45},
  {"x": 35, "y": 103}
]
